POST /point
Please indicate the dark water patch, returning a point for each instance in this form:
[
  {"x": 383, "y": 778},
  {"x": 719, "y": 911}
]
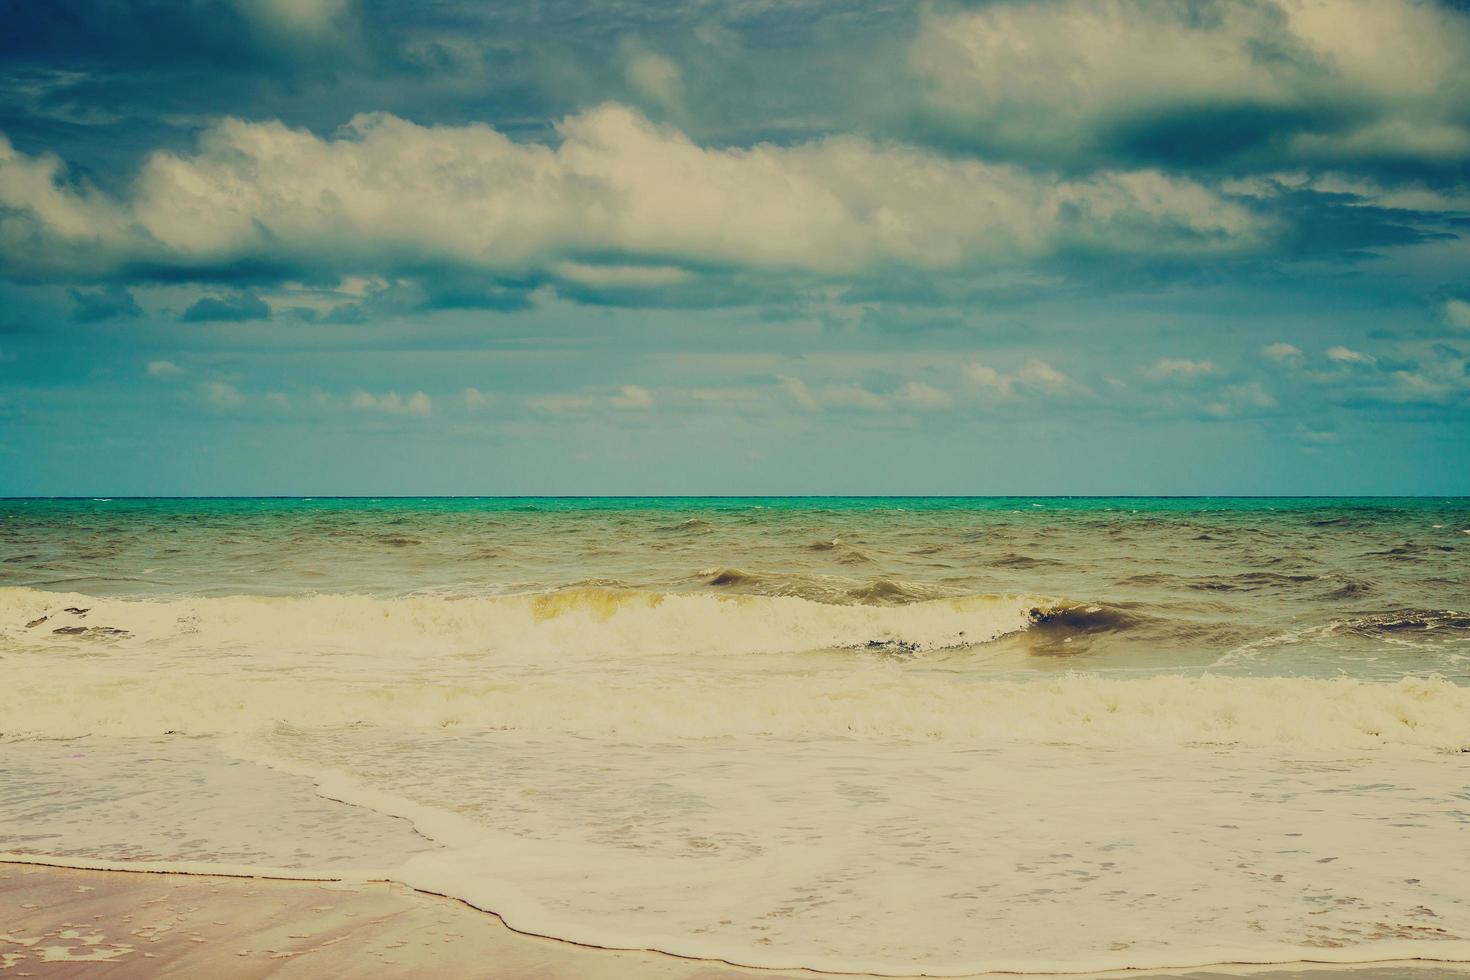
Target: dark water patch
[
  {"x": 889, "y": 592},
  {"x": 1148, "y": 578},
  {"x": 1351, "y": 589},
  {"x": 20, "y": 558},
  {"x": 1446, "y": 623},
  {"x": 1409, "y": 551},
  {"x": 731, "y": 577},
  {"x": 93, "y": 632},
  {"x": 1072, "y": 629},
  {"x": 397, "y": 541},
  {"x": 1082, "y": 620},
  {"x": 1251, "y": 582},
  {"x": 897, "y": 649},
  {"x": 1017, "y": 560}
]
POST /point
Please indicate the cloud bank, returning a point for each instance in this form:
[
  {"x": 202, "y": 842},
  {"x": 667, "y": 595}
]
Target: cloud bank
[
  {"x": 619, "y": 201},
  {"x": 1318, "y": 82}
]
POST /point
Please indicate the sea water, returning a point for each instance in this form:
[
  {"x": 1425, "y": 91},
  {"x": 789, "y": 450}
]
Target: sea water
[{"x": 893, "y": 735}]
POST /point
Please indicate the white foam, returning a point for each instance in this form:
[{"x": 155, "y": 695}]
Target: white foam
[
  {"x": 876, "y": 701},
  {"x": 880, "y": 857},
  {"x": 573, "y": 623},
  {"x": 726, "y": 777}
]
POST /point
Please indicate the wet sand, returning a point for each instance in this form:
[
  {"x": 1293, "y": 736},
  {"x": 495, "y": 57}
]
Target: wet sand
[{"x": 64, "y": 922}]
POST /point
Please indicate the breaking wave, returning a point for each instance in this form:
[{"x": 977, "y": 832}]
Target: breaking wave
[{"x": 591, "y": 622}]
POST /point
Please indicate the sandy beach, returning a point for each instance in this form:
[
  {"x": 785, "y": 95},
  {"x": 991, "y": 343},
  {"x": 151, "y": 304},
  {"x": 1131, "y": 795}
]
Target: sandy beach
[{"x": 66, "y": 922}]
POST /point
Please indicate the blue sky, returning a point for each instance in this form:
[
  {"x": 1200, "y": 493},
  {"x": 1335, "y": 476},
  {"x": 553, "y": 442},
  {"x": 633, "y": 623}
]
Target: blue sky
[{"x": 735, "y": 246}]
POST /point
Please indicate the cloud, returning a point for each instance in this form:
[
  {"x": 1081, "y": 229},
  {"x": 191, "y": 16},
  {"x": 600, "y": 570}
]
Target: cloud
[
  {"x": 799, "y": 392},
  {"x": 1039, "y": 374},
  {"x": 164, "y": 369},
  {"x": 1457, "y": 313},
  {"x": 1191, "y": 84},
  {"x": 1282, "y": 353},
  {"x": 474, "y": 399},
  {"x": 232, "y": 308},
  {"x": 915, "y": 395},
  {"x": 631, "y": 396},
  {"x": 1316, "y": 436},
  {"x": 621, "y": 397},
  {"x": 417, "y": 405},
  {"x": 656, "y": 78},
  {"x": 852, "y": 397},
  {"x": 920, "y": 395},
  {"x": 1346, "y": 355},
  {"x": 1034, "y": 377},
  {"x": 107, "y": 303},
  {"x": 297, "y": 19},
  {"x": 1178, "y": 367},
  {"x": 223, "y": 395},
  {"x": 1242, "y": 399},
  {"x": 989, "y": 380},
  {"x": 616, "y": 190}
]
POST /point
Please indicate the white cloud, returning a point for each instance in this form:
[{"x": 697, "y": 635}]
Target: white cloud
[
  {"x": 631, "y": 276},
  {"x": 1036, "y": 377},
  {"x": 1063, "y": 77},
  {"x": 853, "y": 396},
  {"x": 657, "y": 78},
  {"x": 615, "y": 184},
  {"x": 1457, "y": 312},
  {"x": 223, "y": 395},
  {"x": 920, "y": 395},
  {"x": 164, "y": 369},
  {"x": 1241, "y": 399},
  {"x": 1282, "y": 353},
  {"x": 475, "y": 399},
  {"x": 1039, "y": 374},
  {"x": 989, "y": 380},
  {"x": 799, "y": 392},
  {"x": 278, "y": 400},
  {"x": 1178, "y": 367},
  {"x": 417, "y": 405},
  {"x": 909, "y": 395},
  {"x": 623, "y": 397},
  {"x": 631, "y": 396},
  {"x": 1346, "y": 355}
]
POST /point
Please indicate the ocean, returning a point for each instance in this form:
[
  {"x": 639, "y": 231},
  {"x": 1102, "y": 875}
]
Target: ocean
[{"x": 884, "y": 735}]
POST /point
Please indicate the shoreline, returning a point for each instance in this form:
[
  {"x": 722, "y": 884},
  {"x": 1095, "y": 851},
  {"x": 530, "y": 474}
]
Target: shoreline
[{"x": 61, "y": 920}]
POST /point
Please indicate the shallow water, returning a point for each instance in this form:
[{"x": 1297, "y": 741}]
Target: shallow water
[{"x": 865, "y": 734}]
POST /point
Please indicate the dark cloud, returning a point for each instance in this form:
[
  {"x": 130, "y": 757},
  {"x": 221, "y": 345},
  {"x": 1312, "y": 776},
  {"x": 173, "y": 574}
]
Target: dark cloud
[
  {"x": 230, "y": 308},
  {"x": 103, "y": 304}
]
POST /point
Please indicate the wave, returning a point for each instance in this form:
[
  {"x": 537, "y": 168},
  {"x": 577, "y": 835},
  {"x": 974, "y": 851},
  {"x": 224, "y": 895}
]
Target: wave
[
  {"x": 826, "y": 589},
  {"x": 594, "y": 622},
  {"x": 1435, "y": 622},
  {"x": 597, "y": 661}
]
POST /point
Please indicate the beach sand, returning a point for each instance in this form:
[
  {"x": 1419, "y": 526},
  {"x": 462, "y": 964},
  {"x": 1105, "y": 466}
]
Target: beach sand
[{"x": 65, "y": 922}]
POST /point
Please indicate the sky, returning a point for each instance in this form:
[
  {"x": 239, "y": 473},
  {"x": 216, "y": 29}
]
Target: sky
[{"x": 310, "y": 247}]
